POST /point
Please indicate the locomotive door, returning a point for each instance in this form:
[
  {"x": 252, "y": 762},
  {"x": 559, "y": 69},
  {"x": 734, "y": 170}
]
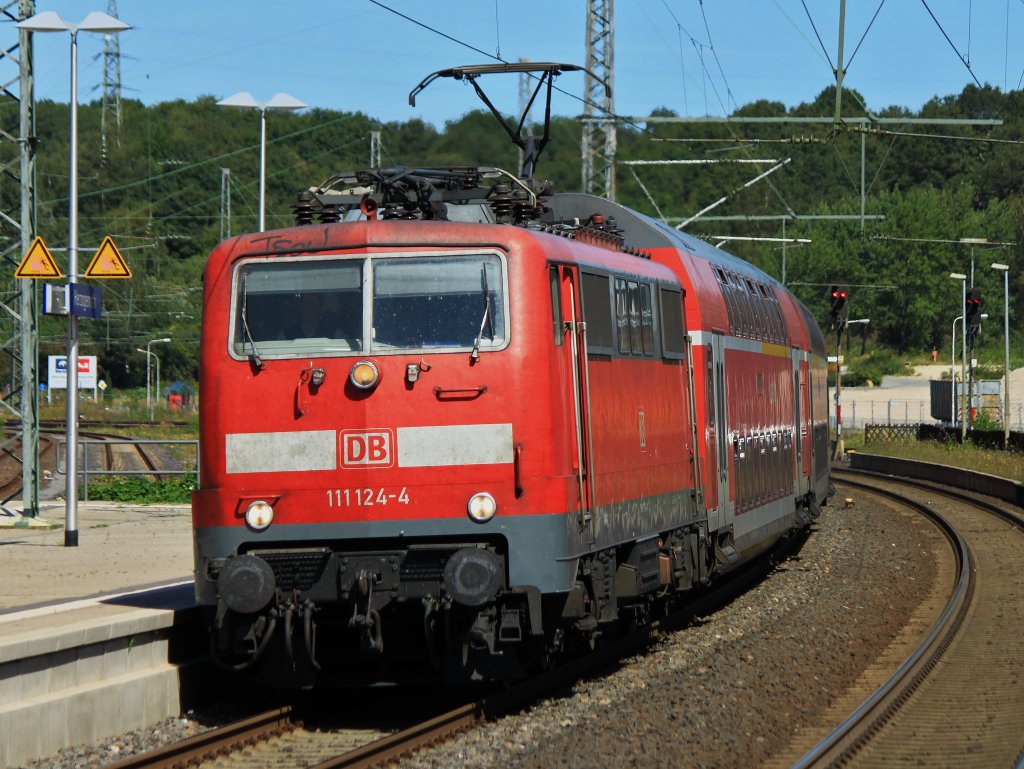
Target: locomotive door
[
  {"x": 717, "y": 436},
  {"x": 575, "y": 346}
]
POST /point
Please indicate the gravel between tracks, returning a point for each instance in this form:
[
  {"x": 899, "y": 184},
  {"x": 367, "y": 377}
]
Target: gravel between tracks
[
  {"x": 732, "y": 690},
  {"x": 729, "y": 691}
]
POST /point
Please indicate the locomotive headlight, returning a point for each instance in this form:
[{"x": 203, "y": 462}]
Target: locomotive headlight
[
  {"x": 259, "y": 515},
  {"x": 482, "y": 507},
  {"x": 364, "y": 375}
]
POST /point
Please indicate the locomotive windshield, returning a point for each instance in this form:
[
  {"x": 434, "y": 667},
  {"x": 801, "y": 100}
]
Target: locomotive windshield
[{"x": 328, "y": 306}]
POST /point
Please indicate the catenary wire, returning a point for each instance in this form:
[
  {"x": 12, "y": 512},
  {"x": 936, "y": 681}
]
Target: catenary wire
[{"x": 966, "y": 61}]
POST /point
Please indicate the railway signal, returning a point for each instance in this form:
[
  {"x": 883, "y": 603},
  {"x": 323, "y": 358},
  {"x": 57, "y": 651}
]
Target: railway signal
[
  {"x": 973, "y": 310},
  {"x": 840, "y": 310}
]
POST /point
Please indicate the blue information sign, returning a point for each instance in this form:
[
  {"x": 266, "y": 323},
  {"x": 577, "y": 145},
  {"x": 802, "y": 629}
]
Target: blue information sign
[{"x": 86, "y": 301}]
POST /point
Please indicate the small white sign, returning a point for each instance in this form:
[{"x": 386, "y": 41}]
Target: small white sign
[{"x": 57, "y": 371}]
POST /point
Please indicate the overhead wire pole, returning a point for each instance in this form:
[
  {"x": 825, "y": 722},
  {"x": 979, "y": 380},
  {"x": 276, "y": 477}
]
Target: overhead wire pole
[
  {"x": 110, "y": 116},
  {"x": 225, "y": 203},
  {"x": 18, "y": 297},
  {"x": 840, "y": 72},
  {"x": 29, "y": 336},
  {"x": 375, "y": 149},
  {"x": 599, "y": 137},
  {"x": 524, "y": 108}
]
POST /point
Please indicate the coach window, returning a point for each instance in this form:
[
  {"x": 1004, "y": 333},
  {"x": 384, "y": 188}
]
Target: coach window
[
  {"x": 755, "y": 304},
  {"x": 769, "y": 301},
  {"x": 723, "y": 286},
  {"x": 646, "y": 319},
  {"x": 673, "y": 333},
  {"x": 767, "y": 320},
  {"x": 709, "y": 391},
  {"x": 743, "y": 301},
  {"x": 622, "y": 315},
  {"x": 783, "y": 331},
  {"x": 755, "y": 314},
  {"x": 556, "y": 304},
  {"x": 634, "y": 318},
  {"x": 597, "y": 312},
  {"x": 735, "y": 319}
]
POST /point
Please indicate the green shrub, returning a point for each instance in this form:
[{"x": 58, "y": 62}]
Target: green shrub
[
  {"x": 983, "y": 420},
  {"x": 988, "y": 372},
  {"x": 141, "y": 490},
  {"x": 872, "y": 368}
]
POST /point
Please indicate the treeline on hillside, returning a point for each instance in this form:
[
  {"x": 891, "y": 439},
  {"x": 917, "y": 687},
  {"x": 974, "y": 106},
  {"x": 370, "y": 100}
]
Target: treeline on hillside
[{"x": 157, "y": 192}]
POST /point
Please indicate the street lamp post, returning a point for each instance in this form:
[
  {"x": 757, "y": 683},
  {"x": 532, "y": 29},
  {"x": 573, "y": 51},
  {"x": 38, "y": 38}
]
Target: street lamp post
[
  {"x": 1005, "y": 269},
  {"x": 963, "y": 354},
  {"x": 148, "y": 353},
  {"x": 245, "y": 100},
  {"x": 952, "y": 375},
  {"x": 49, "y": 21}
]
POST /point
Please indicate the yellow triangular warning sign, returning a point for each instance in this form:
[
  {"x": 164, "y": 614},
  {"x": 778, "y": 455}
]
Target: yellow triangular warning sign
[
  {"x": 38, "y": 263},
  {"x": 108, "y": 262}
]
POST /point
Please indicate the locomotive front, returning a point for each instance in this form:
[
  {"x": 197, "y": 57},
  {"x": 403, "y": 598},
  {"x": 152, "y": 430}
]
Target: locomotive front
[{"x": 366, "y": 407}]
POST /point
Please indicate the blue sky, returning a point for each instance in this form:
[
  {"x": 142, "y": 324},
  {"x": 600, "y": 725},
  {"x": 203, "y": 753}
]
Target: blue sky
[{"x": 697, "y": 58}]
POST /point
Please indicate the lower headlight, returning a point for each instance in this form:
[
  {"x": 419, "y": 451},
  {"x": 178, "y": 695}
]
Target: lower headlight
[
  {"x": 259, "y": 515},
  {"x": 482, "y": 507}
]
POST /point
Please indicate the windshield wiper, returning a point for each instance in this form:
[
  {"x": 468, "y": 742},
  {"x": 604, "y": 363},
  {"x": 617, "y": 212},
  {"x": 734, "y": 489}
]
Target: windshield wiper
[
  {"x": 486, "y": 320},
  {"x": 254, "y": 353}
]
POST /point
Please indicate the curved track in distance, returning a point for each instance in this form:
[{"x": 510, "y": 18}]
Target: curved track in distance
[{"x": 958, "y": 700}]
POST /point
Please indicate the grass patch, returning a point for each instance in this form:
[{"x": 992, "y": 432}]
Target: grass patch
[
  {"x": 1005, "y": 464},
  {"x": 141, "y": 491}
]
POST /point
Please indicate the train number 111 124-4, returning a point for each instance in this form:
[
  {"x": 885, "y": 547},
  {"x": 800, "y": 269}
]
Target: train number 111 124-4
[{"x": 365, "y": 497}]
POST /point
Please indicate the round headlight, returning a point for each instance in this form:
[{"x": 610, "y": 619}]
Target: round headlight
[
  {"x": 259, "y": 515},
  {"x": 364, "y": 375},
  {"x": 482, "y": 507}
]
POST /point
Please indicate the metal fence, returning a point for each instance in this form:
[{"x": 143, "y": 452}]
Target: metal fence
[
  {"x": 85, "y": 471},
  {"x": 860, "y": 412}
]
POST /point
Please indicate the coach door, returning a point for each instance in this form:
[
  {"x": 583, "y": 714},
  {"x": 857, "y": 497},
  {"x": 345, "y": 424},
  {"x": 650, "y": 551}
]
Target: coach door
[
  {"x": 802, "y": 416},
  {"x": 717, "y": 435},
  {"x": 566, "y": 291}
]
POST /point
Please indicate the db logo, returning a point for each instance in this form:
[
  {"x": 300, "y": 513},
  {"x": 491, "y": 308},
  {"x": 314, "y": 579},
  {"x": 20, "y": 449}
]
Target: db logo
[{"x": 367, "y": 449}]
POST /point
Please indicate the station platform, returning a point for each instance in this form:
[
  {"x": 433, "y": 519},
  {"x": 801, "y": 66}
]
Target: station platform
[
  {"x": 97, "y": 639},
  {"x": 119, "y": 546}
]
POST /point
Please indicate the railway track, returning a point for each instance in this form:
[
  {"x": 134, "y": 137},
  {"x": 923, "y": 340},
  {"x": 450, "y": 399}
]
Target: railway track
[
  {"x": 117, "y": 453},
  {"x": 958, "y": 700},
  {"x": 261, "y": 741}
]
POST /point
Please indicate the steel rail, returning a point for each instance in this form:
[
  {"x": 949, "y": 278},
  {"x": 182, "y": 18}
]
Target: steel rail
[
  {"x": 856, "y": 730},
  {"x": 468, "y": 715},
  {"x": 407, "y": 740},
  {"x": 216, "y": 742}
]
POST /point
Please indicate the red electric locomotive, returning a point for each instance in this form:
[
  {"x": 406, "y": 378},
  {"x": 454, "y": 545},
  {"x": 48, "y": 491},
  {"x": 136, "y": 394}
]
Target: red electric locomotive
[{"x": 452, "y": 422}]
